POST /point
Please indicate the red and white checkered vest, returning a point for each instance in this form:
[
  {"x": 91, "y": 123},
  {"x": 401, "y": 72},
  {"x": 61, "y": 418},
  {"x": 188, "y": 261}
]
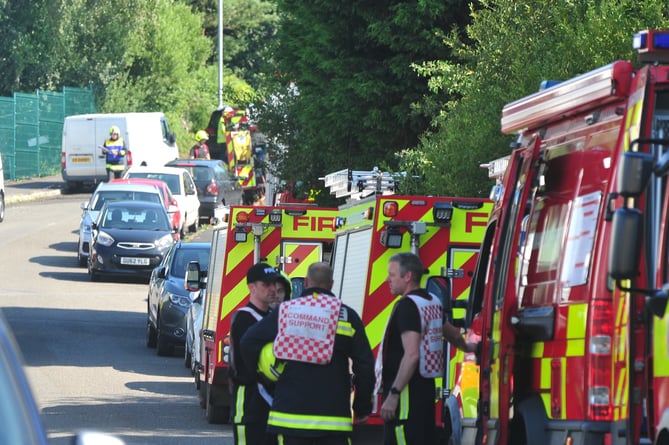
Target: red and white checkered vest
[
  {"x": 431, "y": 361},
  {"x": 307, "y": 329}
]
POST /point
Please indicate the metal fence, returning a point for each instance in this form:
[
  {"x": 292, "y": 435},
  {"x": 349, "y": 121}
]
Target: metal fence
[{"x": 31, "y": 129}]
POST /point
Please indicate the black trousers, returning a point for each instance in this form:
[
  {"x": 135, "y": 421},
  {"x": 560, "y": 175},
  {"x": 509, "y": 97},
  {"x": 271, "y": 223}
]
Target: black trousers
[{"x": 336, "y": 439}]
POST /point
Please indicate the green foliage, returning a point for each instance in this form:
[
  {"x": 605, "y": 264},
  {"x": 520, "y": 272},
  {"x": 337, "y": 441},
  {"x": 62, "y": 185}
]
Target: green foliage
[
  {"x": 359, "y": 100},
  {"x": 513, "y": 47}
]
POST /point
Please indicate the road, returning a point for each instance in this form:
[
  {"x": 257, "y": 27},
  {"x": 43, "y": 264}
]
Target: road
[{"x": 83, "y": 342}]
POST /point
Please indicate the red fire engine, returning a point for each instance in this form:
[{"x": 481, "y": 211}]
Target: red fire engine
[
  {"x": 575, "y": 254},
  {"x": 289, "y": 238}
]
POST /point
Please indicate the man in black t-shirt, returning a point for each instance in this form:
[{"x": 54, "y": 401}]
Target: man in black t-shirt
[{"x": 408, "y": 370}]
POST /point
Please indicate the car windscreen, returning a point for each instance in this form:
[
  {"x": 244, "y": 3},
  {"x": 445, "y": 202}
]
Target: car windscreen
[
  {"x": 171, "y": 180},
  {"x": 184, "y": 256},
  {"x": 135, "y": 218},
  {"x": 120, "y": 195}
]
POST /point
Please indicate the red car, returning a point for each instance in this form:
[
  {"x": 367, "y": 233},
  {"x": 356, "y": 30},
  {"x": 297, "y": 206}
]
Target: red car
[{"x": 172, "y": 208}]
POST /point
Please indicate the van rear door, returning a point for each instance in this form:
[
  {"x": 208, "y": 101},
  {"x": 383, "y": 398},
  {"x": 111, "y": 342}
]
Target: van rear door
[{"x": 84, "y": 160}]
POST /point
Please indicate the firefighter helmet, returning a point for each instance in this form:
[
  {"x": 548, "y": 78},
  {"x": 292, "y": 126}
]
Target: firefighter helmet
[
  {"x": 114, "y": 129},
  {"x": 268, "y": 365},
  {"x": 201, "y": 136}
]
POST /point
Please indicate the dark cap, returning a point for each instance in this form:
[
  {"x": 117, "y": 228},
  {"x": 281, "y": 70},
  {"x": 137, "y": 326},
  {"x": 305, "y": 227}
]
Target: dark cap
[{"x": 262, "y": 272}]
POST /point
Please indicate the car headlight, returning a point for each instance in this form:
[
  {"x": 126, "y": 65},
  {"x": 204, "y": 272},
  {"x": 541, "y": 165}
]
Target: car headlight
[
  {"x": 105, "y": 239},
  {"x": 86, "y": 229},
  {"x": 165, "y": 241},
  {"x": 179, "y": 300}
]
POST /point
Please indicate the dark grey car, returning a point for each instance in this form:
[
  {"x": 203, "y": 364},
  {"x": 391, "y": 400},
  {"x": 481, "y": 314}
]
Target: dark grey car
[
  {"x": 215, "y": 187},
  {"x": 168, "y": 300}
]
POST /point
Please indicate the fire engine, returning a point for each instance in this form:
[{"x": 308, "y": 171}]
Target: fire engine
[
  {"x": 573, "y": 265},
  {"x": 289, "y": 238},
  {"x": 444, "y": 232}
]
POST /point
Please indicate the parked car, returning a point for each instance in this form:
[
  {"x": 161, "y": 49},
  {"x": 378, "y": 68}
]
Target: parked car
[
  {"x": 215, "y": 187},
  {"x": 183, "y": 188},
  {"x": 20, "y": 420},
  {"x": 171, "y": 203},
  {"x": 168, "y": 300},
  {"x": 193, "y": 326},
  {"x": 129, "y": 238},
  {"x": 111, "y": 192}
]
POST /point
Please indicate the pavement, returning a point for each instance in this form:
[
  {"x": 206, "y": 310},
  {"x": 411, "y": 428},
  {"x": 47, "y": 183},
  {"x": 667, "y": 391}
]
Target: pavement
[{"x": 23, "y": 190}]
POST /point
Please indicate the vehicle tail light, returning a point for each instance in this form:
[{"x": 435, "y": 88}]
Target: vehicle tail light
[
  {"x": 226, "y": 349},
  {"x": 212, "y": 188},
  {"x": 63, "y": 157},
  {"x": 600, "y": 376},
  {"x": 128, "y": 158}
]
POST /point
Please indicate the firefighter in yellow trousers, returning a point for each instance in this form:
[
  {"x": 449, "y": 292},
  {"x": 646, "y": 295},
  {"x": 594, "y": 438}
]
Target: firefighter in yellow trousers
[{"x": 315, "y": 335}]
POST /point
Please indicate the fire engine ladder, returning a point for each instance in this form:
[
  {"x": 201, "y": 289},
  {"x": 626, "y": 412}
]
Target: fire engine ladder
[{"x": 358, "y": 184}]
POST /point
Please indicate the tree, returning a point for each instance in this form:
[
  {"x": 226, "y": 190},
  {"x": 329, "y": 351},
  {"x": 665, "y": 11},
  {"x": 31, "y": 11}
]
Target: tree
[
  {"x": 359, "y": 99},
  {"x": 512, "y": 47}
]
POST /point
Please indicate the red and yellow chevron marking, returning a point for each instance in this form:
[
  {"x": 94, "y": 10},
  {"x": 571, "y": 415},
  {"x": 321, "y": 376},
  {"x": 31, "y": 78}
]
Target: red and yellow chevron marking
[
  {"x": 246, "y": 175},
  {"x": 297, "y": 237},
  {"x": 466, "y": 231},
  {"x": 301, "y": 256}
]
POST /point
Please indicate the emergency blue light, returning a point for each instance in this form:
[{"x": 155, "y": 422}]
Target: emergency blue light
[{"x": 652, "y": 46}]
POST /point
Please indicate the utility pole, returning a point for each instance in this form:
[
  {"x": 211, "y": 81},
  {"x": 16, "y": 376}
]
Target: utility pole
[{"x": 220, "y": 54}]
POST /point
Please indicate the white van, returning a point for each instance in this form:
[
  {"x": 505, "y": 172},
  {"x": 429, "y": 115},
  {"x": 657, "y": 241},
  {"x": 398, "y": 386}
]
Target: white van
[{"x": 148, "y": 139}]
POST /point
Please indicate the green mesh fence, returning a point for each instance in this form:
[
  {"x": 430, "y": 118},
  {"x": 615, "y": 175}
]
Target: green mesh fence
[{"x": 31, "y": 127}]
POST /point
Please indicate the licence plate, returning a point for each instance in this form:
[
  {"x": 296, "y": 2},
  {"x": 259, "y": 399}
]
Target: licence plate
[
  {"x": 81, "y": 159},
  {"x": 132, "y": 261}
]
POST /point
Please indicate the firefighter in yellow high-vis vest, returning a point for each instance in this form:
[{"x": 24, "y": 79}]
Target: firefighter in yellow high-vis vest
[
  {"x": 316, "y": 337},
  {"x": 114, "y": 150}
]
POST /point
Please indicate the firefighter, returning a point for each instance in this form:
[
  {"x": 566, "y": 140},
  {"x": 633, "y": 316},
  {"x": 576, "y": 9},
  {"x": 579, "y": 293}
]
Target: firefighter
[
  {"x": 200, "y": 149},
  {"x": 411, "y": 355},
  {"x": 114, "y": 150},
  {"x": 249, "y": 412},
  {"x": 316, "y": 336},
  {"x": 283, "y": 290}
]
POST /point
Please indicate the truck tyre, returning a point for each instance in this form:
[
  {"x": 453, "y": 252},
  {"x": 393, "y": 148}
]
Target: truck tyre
[
  {"x": 150, "y": 334},
  {"x": 216, "y": 414},
  {"x": 164, "y": 347}
]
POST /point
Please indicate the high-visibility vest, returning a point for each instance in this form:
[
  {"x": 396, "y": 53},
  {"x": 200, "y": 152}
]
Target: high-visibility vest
[{"x": 431, "y": 361}]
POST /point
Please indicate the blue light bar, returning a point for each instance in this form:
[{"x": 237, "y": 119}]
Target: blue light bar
[{"x": 652, "y": 46}]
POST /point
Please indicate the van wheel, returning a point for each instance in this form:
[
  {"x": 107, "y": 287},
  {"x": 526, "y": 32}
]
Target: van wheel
[
  {"x": 182, "y": 231},
  {"x": 2, "y": 207}
]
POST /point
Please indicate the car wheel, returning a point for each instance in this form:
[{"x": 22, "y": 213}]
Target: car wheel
[
  {"x": 151, "y": 335},
  {"x": 82, "y": 260},
  {"x": 94, "y": 276},
  {"x": 196, "y": 225},
  {"x": 2, "y": 207},
  {"x": 163, "y": 346},
  {"x": 187, "y": 358},
  {"x": 201, "y": 391}
]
